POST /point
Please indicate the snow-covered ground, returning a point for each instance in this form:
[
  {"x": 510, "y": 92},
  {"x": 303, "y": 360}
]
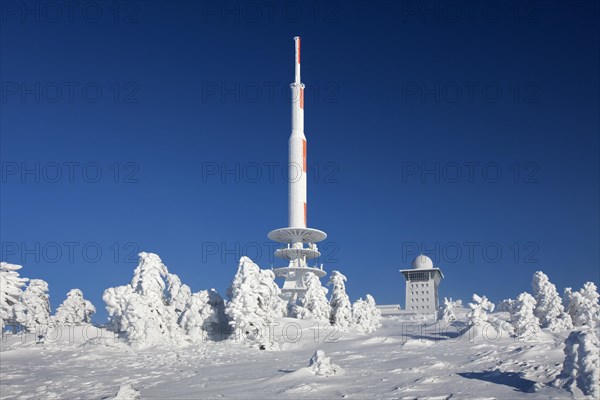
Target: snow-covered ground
[{"x": 407, "y": 358}]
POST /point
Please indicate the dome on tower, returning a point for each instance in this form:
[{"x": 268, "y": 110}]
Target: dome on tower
[{"x": 422, "y": 262}]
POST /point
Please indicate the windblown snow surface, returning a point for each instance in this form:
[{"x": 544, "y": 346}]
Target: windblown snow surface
[{"x": 407, "y": 358}]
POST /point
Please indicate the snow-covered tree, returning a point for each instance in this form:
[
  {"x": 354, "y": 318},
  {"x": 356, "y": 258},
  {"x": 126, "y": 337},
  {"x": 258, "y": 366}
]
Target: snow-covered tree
[
  {"x": 341, "y": 308},
  {"x": 478, "y": 316},
  {"x": 523, "y": 319},
  {"x": 366, "y": 315},
  {"x": 549, "y": 308},
  {"x": 75, "y": 310},
  {"x": 313, "y": 303},
  {"x": 592, "y": 306},
  {"x": 156, "y": 308},
  {"x": 583, "y": 306},
  {"x": 505, "y": 305},
  {"x": 254, "y": 302},
  {"x": 581, "y": 366},
  {"x": 198, "y": 316},
  {"x": 447, "y": 311},
  {"x": 141, "y": 311},
  {"x": 36, "y": 305},
  {"x": 219, "y": 329},
  {"x": 116, "y": 299},
  {"x": 10, "y": 293},
  {"x": 178, "y": 294}
]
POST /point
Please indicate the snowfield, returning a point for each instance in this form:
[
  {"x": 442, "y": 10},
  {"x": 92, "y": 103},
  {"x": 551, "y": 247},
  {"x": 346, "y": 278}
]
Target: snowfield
[{"x": 407, "y": 358}]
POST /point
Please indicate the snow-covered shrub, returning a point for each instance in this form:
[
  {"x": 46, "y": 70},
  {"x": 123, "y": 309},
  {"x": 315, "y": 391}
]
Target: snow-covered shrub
[
  {"x": 581, "y": 366},
  {"x": 478, "y": 317},
  {"x": 505, "y": 305},
  {"x": 141, "y": 312},
  {"x": 447, "y": 311},
  {"x": 321, "y": 365},
  {"x": 254, "y": 302},
  {"x": 10, "y": 293},
  {"x": 313, "y": 303},
  {"x": 341, "y": 308},
  {"x": 524, "y": 321},
  {"x": 583, "y": 306},
  {"x": 36, "y": 304},
  {"x": 127, "y": 392},
  {"x": 366, "y": 315},
  {"x": 549, "y": 308},
  {"x": 75, "y": 310}
]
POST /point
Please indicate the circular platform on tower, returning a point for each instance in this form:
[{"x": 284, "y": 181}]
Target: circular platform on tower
[
  {"x": 292, "y": 254},
  {"x": 297, "y": 235},
  {"x": 286, "y": 271}
]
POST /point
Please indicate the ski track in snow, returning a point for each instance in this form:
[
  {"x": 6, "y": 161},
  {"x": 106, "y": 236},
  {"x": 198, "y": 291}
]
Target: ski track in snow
[{"x": 384, "y": 365}]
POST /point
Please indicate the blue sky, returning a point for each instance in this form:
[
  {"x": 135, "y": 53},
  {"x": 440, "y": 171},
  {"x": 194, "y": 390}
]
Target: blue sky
[{"x": 467, "y": 131}]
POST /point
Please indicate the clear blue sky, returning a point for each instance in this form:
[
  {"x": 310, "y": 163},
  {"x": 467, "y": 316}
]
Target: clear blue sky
[{"x": 412, "y": 110}]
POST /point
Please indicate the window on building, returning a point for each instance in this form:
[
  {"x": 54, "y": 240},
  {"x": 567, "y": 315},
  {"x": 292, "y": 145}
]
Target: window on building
[{"x": 418, "y": 277}]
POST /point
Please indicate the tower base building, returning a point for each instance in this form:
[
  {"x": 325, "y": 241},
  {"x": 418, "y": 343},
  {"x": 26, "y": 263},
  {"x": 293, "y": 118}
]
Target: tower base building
[{"x": 422, "y": 282}]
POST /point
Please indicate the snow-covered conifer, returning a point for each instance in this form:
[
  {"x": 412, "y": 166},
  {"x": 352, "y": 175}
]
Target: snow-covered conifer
[
  {"x": 523, "y": 319},
  {"x": 36, "y": 303},
  {"x": 583, "y": 305},
  {"x": 313, "y": 303},
  {"x": 219, "y": 329},
  {"x": 591, "y": 307},
  {"x": 10, "y": 293},
  {"x": 141, "y": 312},
  {"x": 75, "y": 310},
  {"x": 116, "y": 299},
  {"x": 549, "y": 309},
  {"x": 581, "y": 366},
  {"x": 505, "y": 305},
  {"x": 447, "y": 311},
  {"x": 366, "y": 315},
  {"x": 198, "y": 316},
  {"x": 178, "y": 293},
  {"x": 478, "y": 317},
  {"x": 254, "y": 301},
  {"x": 341, "y": 308}
]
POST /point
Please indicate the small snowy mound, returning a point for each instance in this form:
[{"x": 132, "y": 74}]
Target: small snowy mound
[
  {"x": 127, "y": 392},
  {"x": 321, "y": 365}
]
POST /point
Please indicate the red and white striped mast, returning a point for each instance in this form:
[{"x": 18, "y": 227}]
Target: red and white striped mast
[
  {"x": 297, "y": 234},
  {"x": 297, "y": 149}
]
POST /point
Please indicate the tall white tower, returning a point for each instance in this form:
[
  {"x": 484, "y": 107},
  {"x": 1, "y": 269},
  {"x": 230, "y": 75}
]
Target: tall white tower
[
  {"x": 422, "y": 283},
  {"x": 298, "y": 240}
]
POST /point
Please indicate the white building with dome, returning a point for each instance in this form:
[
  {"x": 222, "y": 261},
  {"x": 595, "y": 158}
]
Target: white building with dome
[{"x": 422, "y": 282}]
